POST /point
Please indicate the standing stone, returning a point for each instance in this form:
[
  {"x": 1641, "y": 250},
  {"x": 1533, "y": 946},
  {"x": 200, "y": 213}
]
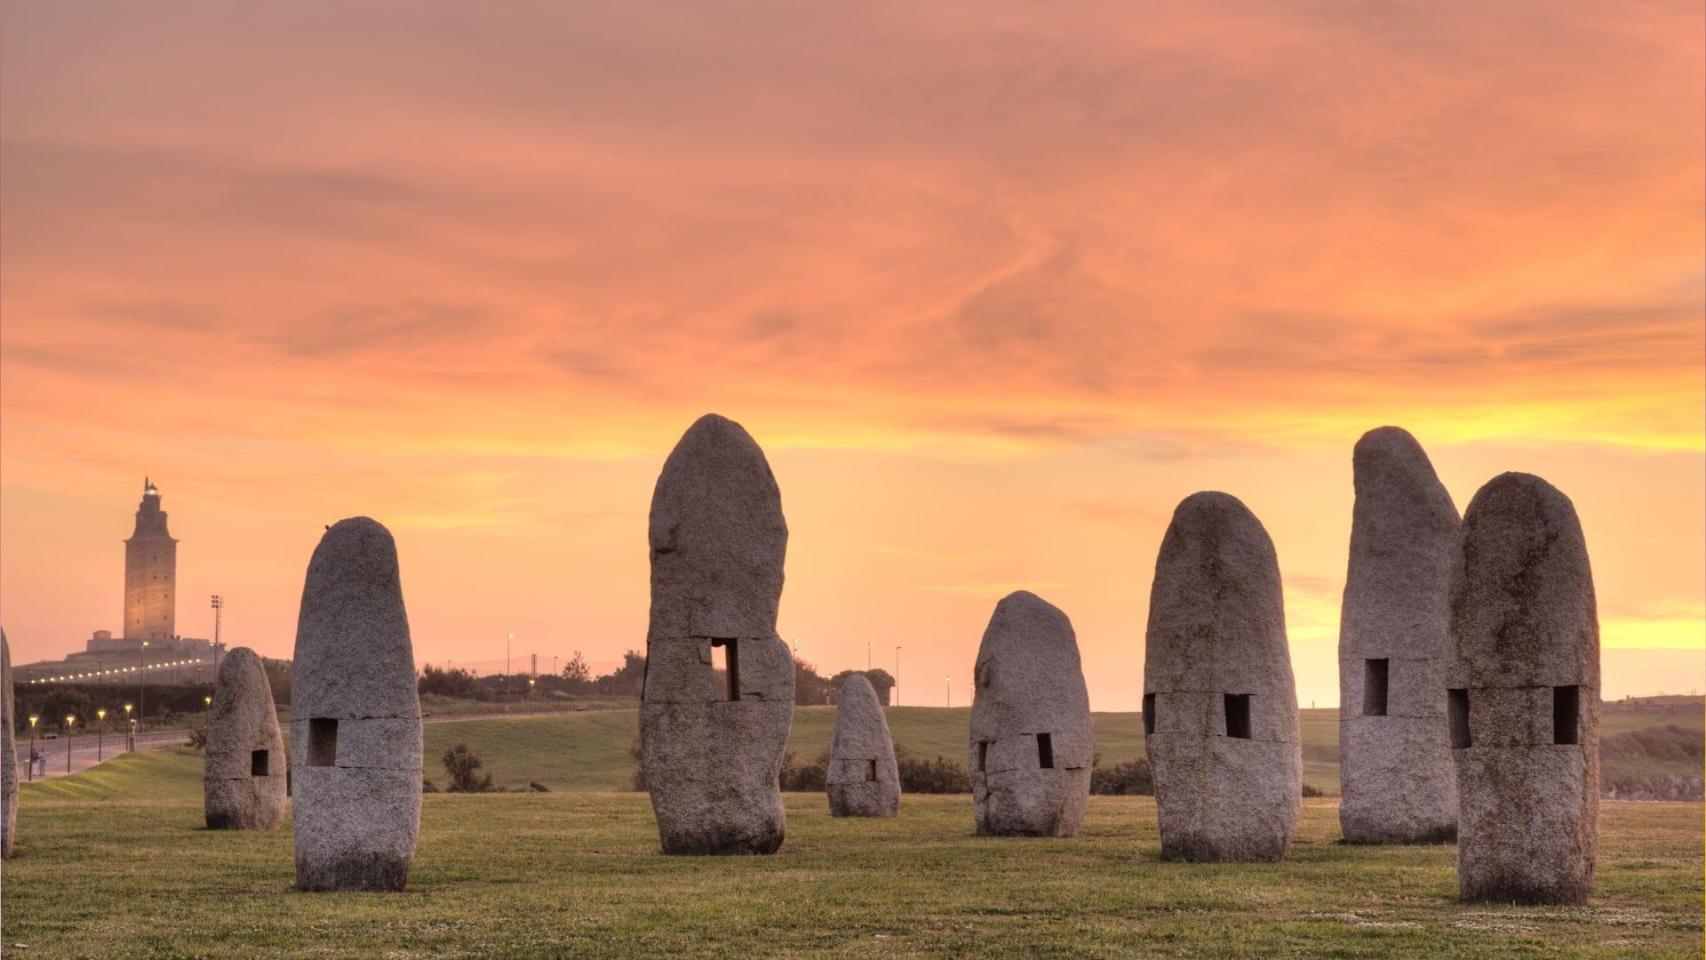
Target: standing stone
[
  {"x": 1523, "y": 698},
  {"x": 711, "y": 744},
  {"x": 355, "y": 727},
  {"x": 1031, "y": 745},
  {"x": 243, "y": 781},
  {"x": 8, "y": 754},
  {"x": 1395, "y": 770},
  {"x": 1219, "y": 703},
  {"x": 863, "y": 779}
]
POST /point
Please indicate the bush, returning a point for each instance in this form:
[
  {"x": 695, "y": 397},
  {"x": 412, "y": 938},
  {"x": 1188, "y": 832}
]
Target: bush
[
  {"x": 804, "y": 778},
  {"x": 1134, "y": 778},
  {"x": 537, "y": 787},
  {"x": 940, "y": 775},
  {"x": 427, "y": 787},
  {"x": 1310, "y": 790},
  {"x": 464, "y": 765}
]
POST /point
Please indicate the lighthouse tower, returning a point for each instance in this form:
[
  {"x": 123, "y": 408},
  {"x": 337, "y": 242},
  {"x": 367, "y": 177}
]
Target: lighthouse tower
[{"x": 150, "y": 572}]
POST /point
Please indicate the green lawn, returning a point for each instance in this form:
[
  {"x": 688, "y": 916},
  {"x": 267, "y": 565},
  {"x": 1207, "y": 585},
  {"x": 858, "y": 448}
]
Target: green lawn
[
  {"x": 114, "y": 863},
  {"x": 590, "y": 750}
]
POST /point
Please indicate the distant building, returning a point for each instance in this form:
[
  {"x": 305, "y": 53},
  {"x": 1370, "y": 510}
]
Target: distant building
[
  {"x": 150, "y": 642},
  {"x": 150, "y": 572}
]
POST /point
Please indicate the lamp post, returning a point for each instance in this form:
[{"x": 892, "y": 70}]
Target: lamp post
[
  {"x": 897, "y": 674},
  {"x": 509, "y": 638},
  {"x": 129, "y": 729},
  {"x": 141, "y": 683},
  {"x": 948, "y": 686},
  {"x": 207, "y": 719},
  {"x": 100, "y": 734},
  {"x": 70, "y": 724},
  {"x": 32, "y": 770},
  {"x": 530, "y": 682},
  {"x": 218, "y": 608}
]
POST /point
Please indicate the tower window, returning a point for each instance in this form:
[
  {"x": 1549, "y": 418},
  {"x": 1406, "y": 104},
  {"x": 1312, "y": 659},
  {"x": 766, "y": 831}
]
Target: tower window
[
  {"x": 1238, "y": 715},
  {"x": 1566, "y": 715},
  {"x": 1374, "y": 688},
  {"x": 1045, "y": 751},
  {"x": 1457, "y": 717},
  {"x": 1148, "y": 714},
  {"x": 322, "y": 742},
  {"x": 258, "y": 763},
  {"x": 725, "y": 656}
]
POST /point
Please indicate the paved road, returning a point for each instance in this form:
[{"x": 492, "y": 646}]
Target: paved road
[{"x": 86, "y": 750}]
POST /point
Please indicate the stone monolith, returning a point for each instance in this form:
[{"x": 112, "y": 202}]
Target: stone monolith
[
  {"x": 1395, "y": 770},
  {"x": 719, "y": 687},
  {"x": 1031, "y": 744},
  {"x": 8, "y": 753},
  {"x": 1523, "y": 697},
  {"x": 244, "y": 778},
  {"x": 1219, "y": 703},
  {"x": 355, "y": 726},
  {"x": 863, "y": 780}
]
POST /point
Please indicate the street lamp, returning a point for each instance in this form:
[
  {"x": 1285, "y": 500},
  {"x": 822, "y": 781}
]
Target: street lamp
[
  {"x": 32, "y": 770},
  {"x": 141, "y": 683},
  {"x": 129, "y": 728},
  {"x": 897, "y": 674},
  {"x": 207, "y": 722},
  {"x": 70, "y": 722},
  {"x": 530, "y": 682},
  {"x": 100, "y": 734}
]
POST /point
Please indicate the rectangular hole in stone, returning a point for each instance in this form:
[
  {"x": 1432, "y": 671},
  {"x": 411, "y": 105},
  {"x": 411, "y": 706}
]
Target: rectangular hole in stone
[
  {"x": 1045, "y": 751},
  {"x": 1457, "y": 716},
  {"x": 982, "y": 755},
  {"x": 870, "y": 771},
  {"x": 1374, "y": 688},
  {"x": 322, "y": 742},
  {"x": 1148, "y": 714},
  {"x": 1566, "y": 714},
  {"x": 725, "y": 656},
  {"x": 1238, "y": 715},
  {"x": 257, "y": 763}
]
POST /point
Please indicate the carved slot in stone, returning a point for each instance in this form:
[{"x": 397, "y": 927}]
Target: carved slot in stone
[
  {"x": 1457, "y": 710},
  {"x": 870, "y": 771},
  {"x": 1148, "y": 714},
  {"x": 1566, "y": 706},
  {"x": 322, "y": 742},
  {"x": 1238, "y": 715},
  {"x": 257, "y": 763},
  {"x": 1374, "y": 687},
  {"x": 982, "y": 755},
  {"x": 725, "y": 656}
]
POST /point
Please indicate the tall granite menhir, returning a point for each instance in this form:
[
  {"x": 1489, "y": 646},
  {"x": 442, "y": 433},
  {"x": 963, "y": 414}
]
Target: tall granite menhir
[
  {"x": 1219, "y": 703},
  {"x": 863, "y": 780},
  {"x": 1395, "y": 770},
  {"x": 1523, "y": 698},
  {"x": 8, "y": 754},
  {"x": 243, "y": 781},
  {"x": 719, "y": 686},
  {"x": 1031, "y": 745},
  {"x": 355, "y": 727}
]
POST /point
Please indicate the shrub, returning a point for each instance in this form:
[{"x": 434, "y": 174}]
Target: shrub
[
  {"x": 464, "y": 765},
  {"x": 537, "y": 787},
  {"x": 1132, "y": 778},
  {"x": 940, "y": 775},
  {"x": 427, "y": 787},
  {"x": 1310, "y": 790},
  {"x": 804, "y": 778}
]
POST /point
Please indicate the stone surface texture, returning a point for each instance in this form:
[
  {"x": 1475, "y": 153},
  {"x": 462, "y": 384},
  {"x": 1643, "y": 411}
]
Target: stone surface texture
[
  {"x": 1395, "y": 768},
  {"x": 863, "y": 780},
  {"x": 357, "y": 811},
  {"x": 711, "y": 746},
  {"x": 1029, "y": 684},
  {"x": 8, "y": 753},
  {"x": 243, "y": 732},
  {"x": 1217, "y": 628},
  {"x": 1523, "y": 623}
]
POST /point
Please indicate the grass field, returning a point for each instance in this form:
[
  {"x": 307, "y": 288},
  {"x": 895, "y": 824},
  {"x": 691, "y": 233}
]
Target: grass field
[
  {"x": 589, "y": 750},
  {"x": 114, "y": 863}
]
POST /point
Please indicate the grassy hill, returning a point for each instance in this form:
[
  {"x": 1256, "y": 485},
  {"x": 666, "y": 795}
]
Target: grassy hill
[{"x": 1642, "y": 740}]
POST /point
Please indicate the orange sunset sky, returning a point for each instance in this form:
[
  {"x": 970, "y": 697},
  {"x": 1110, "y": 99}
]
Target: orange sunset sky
[{"x": 994, "y": 284}]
